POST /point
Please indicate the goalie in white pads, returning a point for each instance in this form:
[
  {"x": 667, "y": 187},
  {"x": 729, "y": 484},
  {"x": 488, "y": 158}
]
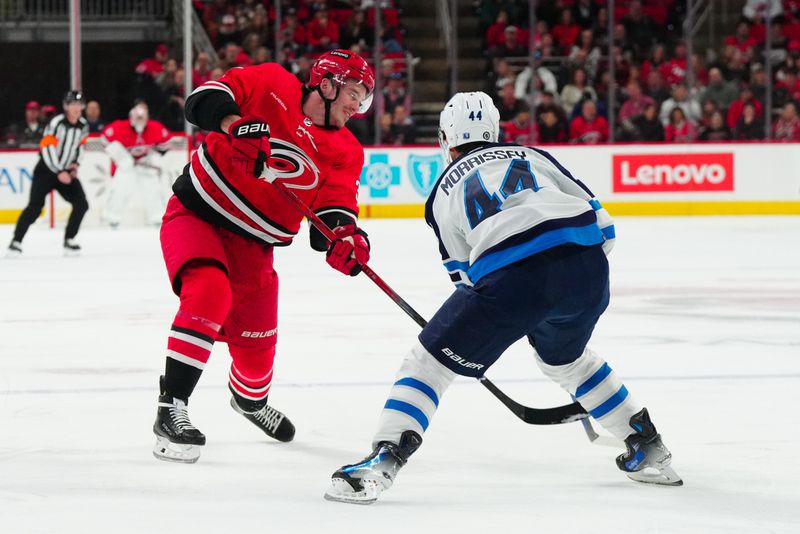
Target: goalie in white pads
[
  {"x": 525, "y": 244},
  {"x": 136, "y": 147}
]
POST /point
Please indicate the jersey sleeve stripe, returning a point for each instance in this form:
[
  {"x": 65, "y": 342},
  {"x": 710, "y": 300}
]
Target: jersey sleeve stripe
[{"x": 214, "y": 86}]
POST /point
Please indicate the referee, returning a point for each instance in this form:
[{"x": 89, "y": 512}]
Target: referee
[{"x": 57, "y": 169}]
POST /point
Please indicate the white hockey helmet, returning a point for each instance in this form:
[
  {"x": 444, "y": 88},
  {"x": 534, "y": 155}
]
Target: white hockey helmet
[{"x": 468, "y": 118}]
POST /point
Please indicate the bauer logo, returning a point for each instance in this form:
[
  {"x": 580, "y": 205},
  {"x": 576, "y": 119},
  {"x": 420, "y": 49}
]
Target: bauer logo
[{"x": 642, "y": 173}]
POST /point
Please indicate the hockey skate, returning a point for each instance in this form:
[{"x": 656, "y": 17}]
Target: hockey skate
[
  {"x": 71, "y": 248},
  {"x": 14, "y": 250},
  {"x": 177, "y": 440},
  {"x": 647, "y": 459},
  {"x": 363, "y": 483},
  {"x": 272, "y": 422}
]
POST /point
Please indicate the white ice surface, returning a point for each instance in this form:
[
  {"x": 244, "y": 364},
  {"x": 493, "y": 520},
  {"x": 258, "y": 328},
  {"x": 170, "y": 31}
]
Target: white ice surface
[{"x": 704, "y": 327}]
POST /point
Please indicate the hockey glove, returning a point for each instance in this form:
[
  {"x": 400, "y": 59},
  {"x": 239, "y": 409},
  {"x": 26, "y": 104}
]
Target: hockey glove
[
  {"x": 249, "y": 145},
  {"x": 349, "y": 251}
]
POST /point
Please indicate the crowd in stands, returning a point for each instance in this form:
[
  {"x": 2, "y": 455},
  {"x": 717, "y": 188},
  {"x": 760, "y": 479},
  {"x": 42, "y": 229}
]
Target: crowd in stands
[
  {"x": 242, "y": 33},
  {"x": 661, "y": 93}
]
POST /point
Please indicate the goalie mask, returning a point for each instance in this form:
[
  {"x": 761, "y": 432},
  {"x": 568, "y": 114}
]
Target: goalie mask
[
  {"x": 468, "y": 118},
  {"x": 339, "y": 66},
  {"x": 139, "y": 115}
]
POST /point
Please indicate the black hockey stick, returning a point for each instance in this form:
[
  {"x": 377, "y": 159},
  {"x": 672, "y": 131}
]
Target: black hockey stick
[{"x": 534, "y": 416}]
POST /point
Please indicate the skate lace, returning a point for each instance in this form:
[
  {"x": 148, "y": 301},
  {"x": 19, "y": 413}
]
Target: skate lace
[
  {"x": 269, "y": 418},
  {"x": 180, "y": 418}
]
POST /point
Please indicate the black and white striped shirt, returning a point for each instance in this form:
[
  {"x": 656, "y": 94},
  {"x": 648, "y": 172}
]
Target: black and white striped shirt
[{"x": 62, "y": 142}]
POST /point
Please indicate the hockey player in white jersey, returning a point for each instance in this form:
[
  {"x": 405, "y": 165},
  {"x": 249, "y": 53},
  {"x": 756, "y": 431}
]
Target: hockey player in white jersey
[{"x": 525, "y": 244}]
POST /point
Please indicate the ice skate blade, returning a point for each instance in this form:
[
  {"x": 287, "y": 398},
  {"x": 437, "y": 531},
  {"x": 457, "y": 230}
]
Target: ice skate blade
[
  {"x": 175, "y": 452},
  {"x": 665, "y": 476},
  {"x": 12, "y": 254},
  {"x": 71, "y": 253},
  {"x": 341, "y": 491}
]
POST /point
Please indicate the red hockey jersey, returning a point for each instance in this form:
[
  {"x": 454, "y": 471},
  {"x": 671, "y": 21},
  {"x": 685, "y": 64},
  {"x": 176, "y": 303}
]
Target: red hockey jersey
[
  {"x": 321, "y": 166},
  {"x": 154, "y": 135}
]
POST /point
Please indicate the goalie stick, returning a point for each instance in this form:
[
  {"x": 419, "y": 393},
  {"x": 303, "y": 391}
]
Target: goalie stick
[{"x": 534, "y": 416}]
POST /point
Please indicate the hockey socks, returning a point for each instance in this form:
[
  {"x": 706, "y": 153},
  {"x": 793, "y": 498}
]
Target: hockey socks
[
  {"x": 205, "y": 301},
  {"x": 414, "y": 397},
  {"x": 408, "y": 411},
  {"x": 598, "y": 389}
]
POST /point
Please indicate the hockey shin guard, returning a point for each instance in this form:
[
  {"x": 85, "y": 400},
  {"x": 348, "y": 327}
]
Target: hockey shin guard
[
  {"x": 414, "y": 397},
  {"x": 598, "y": 389},
  {"x": 205, "y": 301}
]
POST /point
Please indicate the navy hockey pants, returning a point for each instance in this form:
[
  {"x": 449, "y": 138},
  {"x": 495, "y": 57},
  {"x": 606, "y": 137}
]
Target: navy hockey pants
[{"x": 554, "y": 297}]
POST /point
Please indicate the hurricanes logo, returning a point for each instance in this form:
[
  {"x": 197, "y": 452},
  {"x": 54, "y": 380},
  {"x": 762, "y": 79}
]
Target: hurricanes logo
[{"x": 289, "y": 163}]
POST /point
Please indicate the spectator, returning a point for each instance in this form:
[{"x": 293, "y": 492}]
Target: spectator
[
  {"x": 600, "y": 29},
  {"x": 742, "y": 39},
  {"x": 323, "y": 33},
  {"x": 303, "y": 72},
  {"x": 48, "y": 112},
  {"x": 565, "y": 33},
  {"x": 640, "y": 29},
  {"x": 153, "y": 66},
  {"x": 508, "y": 104},
  {"x": 233, "y": 56},
  {"x": 251, "y": 43},
  {"x": 656, "y": 88},
  {"x": 501, "y": 74},
  {"x": 544, "y": 75},
  {"x": 787, "y": 127},
  {"x": 680, "y": 98},
  {"x": 586, "y": 54},
  {"x": 722, "y": 92},
  {"x": 28, "y": 132},
  {"x": 735, "y": 111},
  {"x": 262, "y": 55},
  {"x": 385, "y": 132},
  {"x": 758, "y": 83},
  {"x": 655, "y": 61},
  {"x": 294, "y": 33},
  {"x": 750, "y": 127},
  {"x": 494, "y": 35},
  {"x": 357, "y": 32},
  {"x": 512, "y": 45},
  {"x": 201, "y": 73},
  {"x": 584, "y": 12},
  {"x": 172, "y": 114},
  {"x": 679, "y": 129},
  {"x": 588, "y": 127},
  {"x": 403, "y": 131},
  {"x": 574, "y": 91},
  {"x": 647, "y": 126},
  {"x": 519, "y": 129},
  {"x": 228, "y": 31},
  {"x": 715, "y": 132},
  {"x": 552, "y": 125},
  {"x": 709, "y": 107},
  {"x": 93, "y": 116},
  {"x": 395, "y": 94},
  {"x": 636, "y": 102},
  {"x": 674, "y": 70},
  {"x": 788, "y": 89},
  {"x": 166, "y": 80}
]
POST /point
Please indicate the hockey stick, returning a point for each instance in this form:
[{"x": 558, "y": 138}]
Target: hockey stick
[
  {"x": 599, "y": 439},
  {"x": 534, "y": 416}
]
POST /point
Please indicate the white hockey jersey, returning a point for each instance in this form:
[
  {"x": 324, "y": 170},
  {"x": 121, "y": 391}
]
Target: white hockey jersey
[{"x": 501, "y": 203}]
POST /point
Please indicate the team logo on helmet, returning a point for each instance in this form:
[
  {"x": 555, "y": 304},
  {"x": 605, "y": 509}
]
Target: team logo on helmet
[{"x": 289, "y": 163}]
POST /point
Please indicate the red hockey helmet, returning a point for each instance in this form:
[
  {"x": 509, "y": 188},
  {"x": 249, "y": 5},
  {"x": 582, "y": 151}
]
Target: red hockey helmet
[{"x": 340, "y": 66}]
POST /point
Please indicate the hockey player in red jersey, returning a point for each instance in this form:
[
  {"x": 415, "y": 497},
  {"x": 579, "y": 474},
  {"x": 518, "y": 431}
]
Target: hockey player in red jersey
[
  {"x": 135, "y": 146},
  {"x": 221, "y": 226}
]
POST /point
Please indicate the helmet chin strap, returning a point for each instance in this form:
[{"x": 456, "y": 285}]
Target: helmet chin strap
[{"x": 328, "y": 103}]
